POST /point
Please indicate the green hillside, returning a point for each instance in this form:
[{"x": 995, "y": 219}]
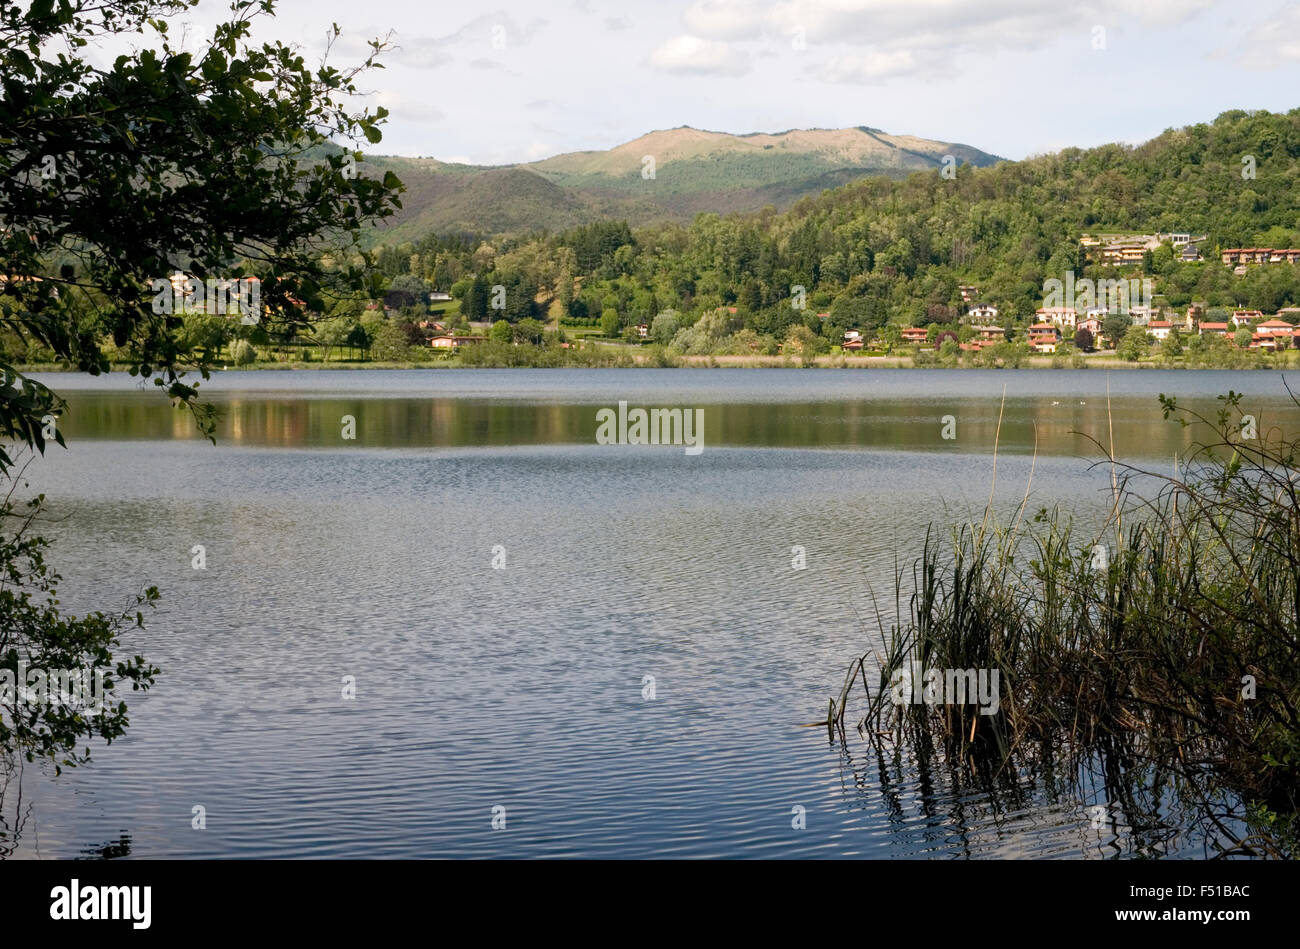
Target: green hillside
[
  {"x": 694, "y": 171},
  {"x": 880, "y": 251}
]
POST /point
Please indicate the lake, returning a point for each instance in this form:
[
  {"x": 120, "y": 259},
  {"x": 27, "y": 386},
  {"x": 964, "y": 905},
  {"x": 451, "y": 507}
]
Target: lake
[{"x": 501, "y": 588}]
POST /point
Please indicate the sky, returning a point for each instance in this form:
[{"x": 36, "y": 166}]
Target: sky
[{"x": 520, "y": 81}]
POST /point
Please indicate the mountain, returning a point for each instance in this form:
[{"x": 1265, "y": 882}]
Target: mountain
[{"x": 693, "y": 171}]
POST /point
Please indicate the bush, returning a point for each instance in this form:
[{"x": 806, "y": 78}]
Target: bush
[{"x": 242, "y": 353}]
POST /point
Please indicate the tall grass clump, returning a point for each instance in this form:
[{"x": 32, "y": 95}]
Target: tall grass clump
[{"x": 1166, "y": 643}]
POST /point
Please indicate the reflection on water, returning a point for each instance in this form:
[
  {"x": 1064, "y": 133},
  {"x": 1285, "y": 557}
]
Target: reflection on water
[
  {"x": 800, "y": 409},
  {"x": 523, "y": 687}
]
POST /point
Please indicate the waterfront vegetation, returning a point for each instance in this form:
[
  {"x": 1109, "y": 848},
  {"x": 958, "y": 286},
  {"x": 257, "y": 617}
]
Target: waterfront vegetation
[{"x": 1160, "y": 652}]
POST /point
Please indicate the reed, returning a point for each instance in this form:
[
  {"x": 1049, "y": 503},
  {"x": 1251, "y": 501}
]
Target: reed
[{"x": 1177, "y": 654}]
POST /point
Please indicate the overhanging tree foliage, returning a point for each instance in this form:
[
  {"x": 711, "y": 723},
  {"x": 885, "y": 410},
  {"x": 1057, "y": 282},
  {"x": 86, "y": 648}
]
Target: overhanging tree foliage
[
  {"x": 220, "y": 163},
  {"x": 113, "y": 177}
]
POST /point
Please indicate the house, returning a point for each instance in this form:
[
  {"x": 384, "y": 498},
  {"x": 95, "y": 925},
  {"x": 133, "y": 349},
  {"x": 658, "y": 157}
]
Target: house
[
  {"x": 453, "y": 343},
  {"x": 1178, "y": 240},
  {"x": 968, "y": 293},
  {"x": 1245, "y": 317},
  {"x": 643, "y": 330},
  {"x": 990, "y": 334},
  {"x": 1160, "y": 329},
  {"x": 1266, "y": 342},
  {"x": 1260, "y": 255},
  {"x": 852, "y": 340},
  {"x": 1213, "y": 329},
  {"x": 1141, "y": 314},
  {"x": 1043, "y": 337},
  {"x": 983, "y": 311},
  {"x": 1092, "y": 324},
  {"x": 1190, "y": 254},
  {"x": 1062, "y": 316},
  {"x": 1280, "y": 331},
  {"x": 439, "y": 297},
  {"x": 1123, "y": 254},
  {"x": 915, "y": 334}
]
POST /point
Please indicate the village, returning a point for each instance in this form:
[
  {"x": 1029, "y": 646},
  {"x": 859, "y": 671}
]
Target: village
[{"x": 1084, "y": 327}]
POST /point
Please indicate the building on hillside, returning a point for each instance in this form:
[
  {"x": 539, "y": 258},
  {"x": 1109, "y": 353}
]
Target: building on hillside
[
  {"x": 1190, "y": 254},
  {"x": 992, "y": 334},
  {"x": 982, "y": 311},
  {"x": 1242, "y": 318},
  {"x": 1160, "y": 329},
  {"x": 1279, "y": 330},
  {"x": 1043, "y": 337},
  {"x": 1260, "y": 255},
  {"x": 915, "y": 334},
  {"x": 438, "y": 296},
  {"x": 1120, "y": 254},
  {"x": 1212, "y": 329},
  {"x": 1092, "y": 323},
  {"x": 1063, "y": 316},
  {"x": 1268, "y": 342},
  {"x": 968, "y": 292},
  {"x": 454, "y": 342}
]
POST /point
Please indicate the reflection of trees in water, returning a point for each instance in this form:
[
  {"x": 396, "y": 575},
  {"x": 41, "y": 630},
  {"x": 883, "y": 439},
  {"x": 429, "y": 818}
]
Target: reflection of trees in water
[
  {"x": 110, "y": 850},
  {"x": 14, "y": 812},
  {"x": 16, "y": 816},
  {"x": 1124, "y": 804}
]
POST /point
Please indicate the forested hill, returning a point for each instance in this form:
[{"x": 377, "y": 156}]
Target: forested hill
[
  {"x": 672, "y": 174},
  {"x": 878, "y": 251}
]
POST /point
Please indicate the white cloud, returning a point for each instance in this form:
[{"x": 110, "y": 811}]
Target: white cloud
[
  {"x": 871, "y": 67},
  {"x": 690, "y": 54},
  {"x": 405, "y": 108},
  {"x": 726, "y": 19},
  {"x": 1277, "y": 39}
]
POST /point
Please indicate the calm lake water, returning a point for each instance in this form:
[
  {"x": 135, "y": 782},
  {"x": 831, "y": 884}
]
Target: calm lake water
[{"x": 524, "y": 687}]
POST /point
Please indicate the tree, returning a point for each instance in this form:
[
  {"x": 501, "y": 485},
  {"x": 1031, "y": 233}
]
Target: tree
[
  {"x": 1115, "y": 326},
  {"x": 474, "y": 304},
  {"x": 1083, "y": 340},
  {"x": 1135, "y": 344},
  {"x": 390, "y": 343},
  {"x": 501, "y": 332},
  {"x": 128, "y": 201},
  {"x": 218, "y": 164},
  {"x": 664, "y": 327},
  {"x": 333, "y": 333},
  {"x": 609, "y": 321}
]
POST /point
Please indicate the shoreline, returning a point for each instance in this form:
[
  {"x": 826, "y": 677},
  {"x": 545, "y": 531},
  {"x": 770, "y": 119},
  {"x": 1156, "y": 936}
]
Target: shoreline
[{"x": 1276, "y": 363}]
